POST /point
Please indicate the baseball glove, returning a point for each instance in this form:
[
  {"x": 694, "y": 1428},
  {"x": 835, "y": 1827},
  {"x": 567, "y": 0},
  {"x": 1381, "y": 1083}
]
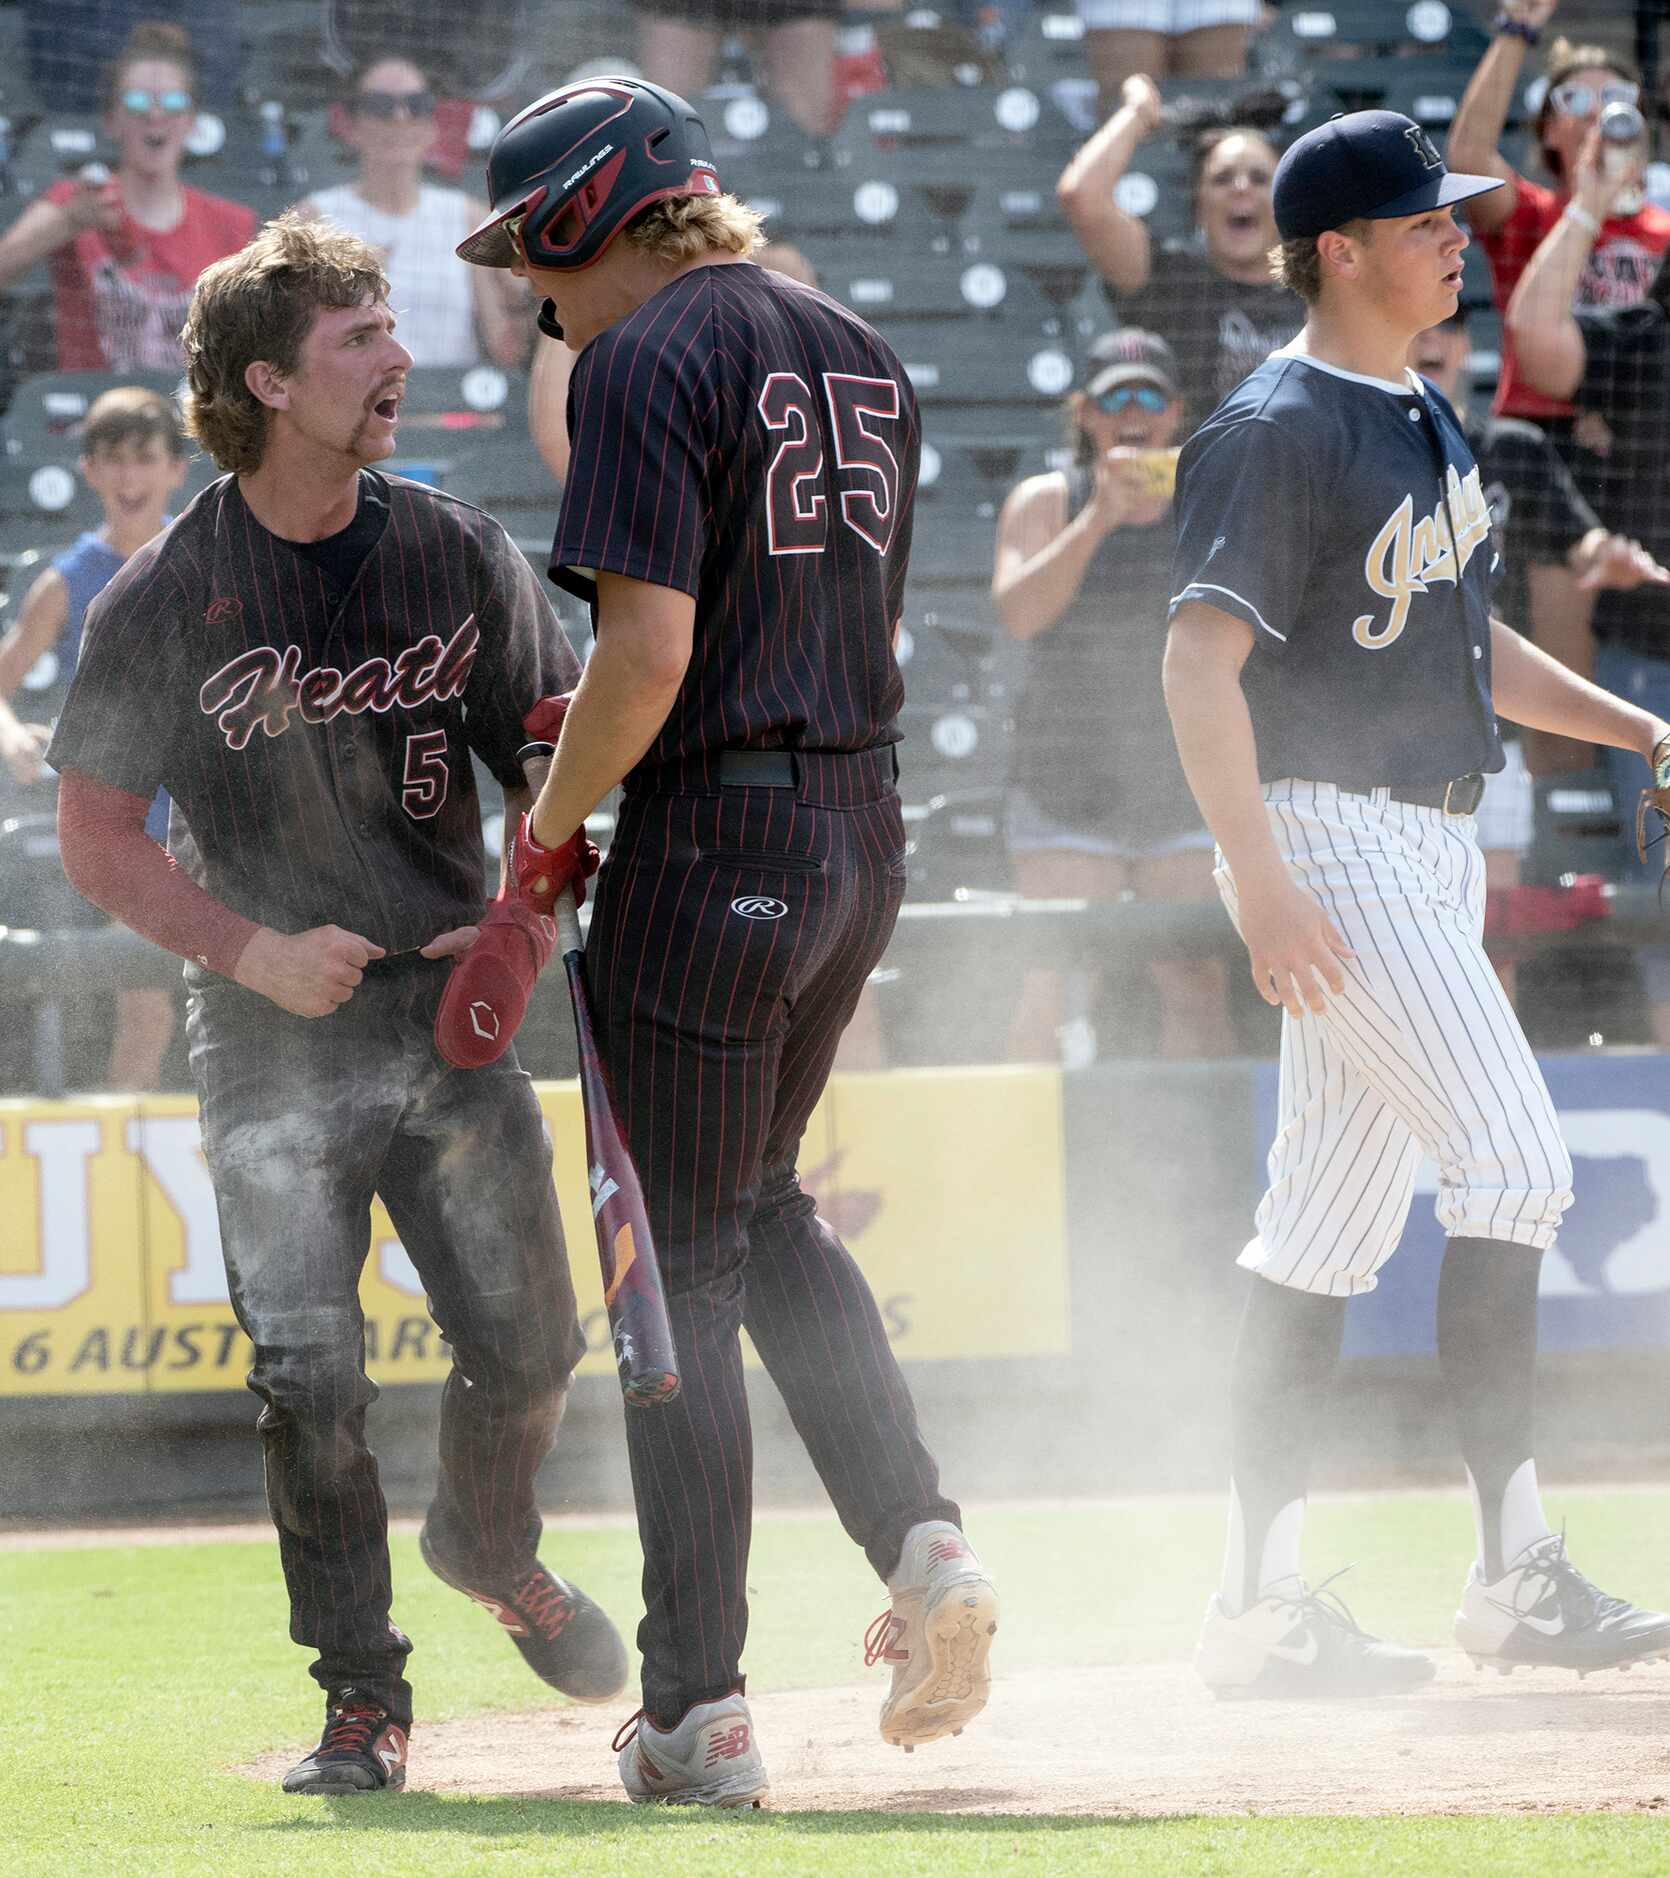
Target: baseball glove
[{"x": 1652, "y": 812}]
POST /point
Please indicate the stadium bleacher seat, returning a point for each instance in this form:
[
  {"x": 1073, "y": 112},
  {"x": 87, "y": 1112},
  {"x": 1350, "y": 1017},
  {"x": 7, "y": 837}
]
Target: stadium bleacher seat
[
  {"x": 831, "y": 204},
  {"x": 47, "y": 410},
  {"x": 1047, "y": 253},
  {"x": 55, "y": 147},
  {"x": 1049, "y": 46},
  {"x": 980, "y": 459},
  {"x": 953, "y": 541},
  {"x": 931, "y": 116},
  {"x": 1426, "y": 88},
  {"x": 955, "y": 362},
  {"x": 1319, "y": 28},
  {"x": 748, "y": 133},
  {"x": 890, "y": 287}
]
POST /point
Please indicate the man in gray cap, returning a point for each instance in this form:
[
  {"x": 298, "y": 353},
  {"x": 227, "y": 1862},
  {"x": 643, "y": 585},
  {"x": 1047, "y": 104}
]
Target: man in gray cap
[{"x": 1334, "y": 673}]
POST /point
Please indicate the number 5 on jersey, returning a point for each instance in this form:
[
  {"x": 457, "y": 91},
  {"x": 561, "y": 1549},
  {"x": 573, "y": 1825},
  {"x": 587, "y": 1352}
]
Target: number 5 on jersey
[{"x": 797, "y": 519}]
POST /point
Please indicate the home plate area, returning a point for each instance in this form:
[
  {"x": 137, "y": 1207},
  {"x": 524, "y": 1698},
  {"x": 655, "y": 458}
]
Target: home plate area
[{"x": 1146, "y": 1741}]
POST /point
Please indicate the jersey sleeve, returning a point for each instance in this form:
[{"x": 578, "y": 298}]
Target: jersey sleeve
[
  {"x": 524, "y": 656},
  {"x": 118, "y": 720},
  {"x": 1625, "y": 353},
  {"x": 1244, "y": 519},
  {"x": 640, "y": 411}
]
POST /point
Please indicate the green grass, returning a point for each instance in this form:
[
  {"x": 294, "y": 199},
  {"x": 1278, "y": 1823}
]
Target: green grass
[{"x": 135, "y": 1677}]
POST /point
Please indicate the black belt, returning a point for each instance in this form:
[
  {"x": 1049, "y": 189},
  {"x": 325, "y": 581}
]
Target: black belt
[
  {"x": 757, "y": 769},
  {"x": 828, "y": 778},
  {"x": 1461, "y": 796}
]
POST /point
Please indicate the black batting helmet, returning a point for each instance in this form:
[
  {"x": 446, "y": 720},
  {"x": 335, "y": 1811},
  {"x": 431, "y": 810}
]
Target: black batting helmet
[{"x": 579, "y": 162}]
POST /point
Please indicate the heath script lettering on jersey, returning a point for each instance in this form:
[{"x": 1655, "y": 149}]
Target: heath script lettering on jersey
[
  {"x": 262, "y": 688},
  {"x": 1407, "y": 555}
]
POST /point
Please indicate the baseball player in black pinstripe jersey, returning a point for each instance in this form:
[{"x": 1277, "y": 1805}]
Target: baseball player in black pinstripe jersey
[
  {"x": 738, "y": 509},
  {"x": 306, "y": 660},
  {"x": 1334, "y": 673}
]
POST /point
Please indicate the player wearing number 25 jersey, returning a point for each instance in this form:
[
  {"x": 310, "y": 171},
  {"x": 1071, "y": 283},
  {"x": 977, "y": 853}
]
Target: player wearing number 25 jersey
[
  {"x": 738, "y": 509},
  {"x": 306, "y": 661}
]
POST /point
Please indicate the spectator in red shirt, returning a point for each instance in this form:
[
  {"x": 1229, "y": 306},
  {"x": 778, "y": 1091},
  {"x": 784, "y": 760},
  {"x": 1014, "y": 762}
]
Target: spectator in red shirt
[
  {"x": 125, "y": 252},
  {"x": 1510, "y": 223}
]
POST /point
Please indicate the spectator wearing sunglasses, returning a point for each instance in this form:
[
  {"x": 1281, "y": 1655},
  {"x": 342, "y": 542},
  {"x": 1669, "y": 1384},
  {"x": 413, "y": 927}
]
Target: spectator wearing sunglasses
[
  {"x": 1511, "y": 222},
  {"x": 1098, "y": 806},
  {"x": 1212, "y": 295},
  {"x": 124, "y": 254},
  {"x": 1621, "y": 264},
  {"x": 450, "y": 314},
  {"x": 1614, "y": 360}
]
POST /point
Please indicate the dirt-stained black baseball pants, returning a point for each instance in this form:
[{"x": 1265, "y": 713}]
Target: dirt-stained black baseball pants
[
  {"x": 733, "y": 931},
  {"x": 303, "y": 1120}
]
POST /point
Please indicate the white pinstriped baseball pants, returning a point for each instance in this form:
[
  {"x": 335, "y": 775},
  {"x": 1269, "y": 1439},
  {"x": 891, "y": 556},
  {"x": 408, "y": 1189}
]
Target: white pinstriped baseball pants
[{"x": 1420, "y": 1054}]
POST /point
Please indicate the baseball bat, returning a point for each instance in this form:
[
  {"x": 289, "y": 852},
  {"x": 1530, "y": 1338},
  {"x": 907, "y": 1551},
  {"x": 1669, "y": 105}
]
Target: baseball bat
[{"x": 632, "y": 1290}]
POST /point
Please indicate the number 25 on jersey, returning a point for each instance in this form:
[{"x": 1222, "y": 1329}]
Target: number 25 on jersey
[{"x": 797, "y": 518}]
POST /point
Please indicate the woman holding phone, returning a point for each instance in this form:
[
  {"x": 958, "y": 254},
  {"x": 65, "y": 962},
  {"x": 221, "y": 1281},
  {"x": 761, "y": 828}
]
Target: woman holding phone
[
  {"x": 1098, "y": 807},
  {"x": 125, "y": 249}
]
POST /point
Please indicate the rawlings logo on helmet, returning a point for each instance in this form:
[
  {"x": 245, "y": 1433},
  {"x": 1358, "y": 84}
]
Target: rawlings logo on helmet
[{"x": 590, "y": 163}]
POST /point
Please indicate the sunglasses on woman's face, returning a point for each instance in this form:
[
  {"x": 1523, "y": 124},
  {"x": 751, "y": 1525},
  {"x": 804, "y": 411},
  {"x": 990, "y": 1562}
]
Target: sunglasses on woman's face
[
  {"x": 142, "y": 103},
  {"x": 1579, "y": 100},
  {"x": 1117, "y": 397},
  {"x": 389, "y": 104}
]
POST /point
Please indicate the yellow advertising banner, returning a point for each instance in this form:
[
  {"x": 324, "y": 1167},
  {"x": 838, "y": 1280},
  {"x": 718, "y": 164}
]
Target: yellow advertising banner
[{"x": 946, "y": 1186}]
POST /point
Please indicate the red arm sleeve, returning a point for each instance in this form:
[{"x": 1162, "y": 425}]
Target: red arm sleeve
[{"x": 109, "y": 857}]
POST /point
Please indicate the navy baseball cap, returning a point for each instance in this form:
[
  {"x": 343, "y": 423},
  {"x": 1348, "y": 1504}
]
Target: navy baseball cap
[{"x": 1371, "y": 164}]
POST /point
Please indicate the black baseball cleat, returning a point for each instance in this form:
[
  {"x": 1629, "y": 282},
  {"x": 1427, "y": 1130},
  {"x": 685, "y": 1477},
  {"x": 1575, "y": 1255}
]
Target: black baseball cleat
[
  {"x": 564, "y": 1637},
  {"x": 1546, "y": 1614},
  {"x": 363, "y": 1750},
  {"x": 1305, "y": 1646}
]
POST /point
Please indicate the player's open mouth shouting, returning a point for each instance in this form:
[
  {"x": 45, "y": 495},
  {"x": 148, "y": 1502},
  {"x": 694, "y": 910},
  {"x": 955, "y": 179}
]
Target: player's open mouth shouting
[{"x": 386, "y": 404}]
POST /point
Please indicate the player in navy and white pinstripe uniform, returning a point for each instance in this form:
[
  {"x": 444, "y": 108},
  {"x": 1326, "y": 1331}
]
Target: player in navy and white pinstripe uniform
[
  {"x": 738, "y": 508},
  {"x": 306, "y": 660},
  {"x": 1333, "y": 672}
]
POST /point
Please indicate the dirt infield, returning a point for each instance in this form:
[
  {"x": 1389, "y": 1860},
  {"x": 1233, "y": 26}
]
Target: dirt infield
[{"x": 1147, "y": 1741}]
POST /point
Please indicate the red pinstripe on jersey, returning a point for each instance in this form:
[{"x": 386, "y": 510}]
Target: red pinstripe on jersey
[
  {"x": 679, "y": 415},
  {"x": 751, "y": 443}
]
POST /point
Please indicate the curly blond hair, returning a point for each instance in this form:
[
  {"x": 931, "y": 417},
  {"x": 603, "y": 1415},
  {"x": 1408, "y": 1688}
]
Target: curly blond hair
[
  {"x": 260, "y": 304},
  {"x": 684, "y": 228}
]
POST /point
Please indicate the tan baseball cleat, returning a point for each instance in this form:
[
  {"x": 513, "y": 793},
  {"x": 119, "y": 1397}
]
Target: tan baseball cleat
[{"x": 936, "y": 1636}]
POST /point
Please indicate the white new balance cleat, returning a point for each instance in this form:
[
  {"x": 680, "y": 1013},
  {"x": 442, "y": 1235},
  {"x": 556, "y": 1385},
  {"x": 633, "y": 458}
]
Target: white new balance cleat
[
  {"x": 709, "y": 1759},
  {"x": 936, "y": 1636},
  {"x": 1545, "y": 1613},
  {"x": 1303, "y": 1645}
]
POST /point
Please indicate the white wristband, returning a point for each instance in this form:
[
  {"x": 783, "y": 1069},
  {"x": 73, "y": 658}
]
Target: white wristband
[{"x": 1575, "y": 212}]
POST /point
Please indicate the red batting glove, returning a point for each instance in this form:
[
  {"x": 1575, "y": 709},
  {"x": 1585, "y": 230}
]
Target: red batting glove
[
  {"x": 487, "y": 995},
  {"x": 539, "y": 874},
  {"x": 543, "y": 724}
]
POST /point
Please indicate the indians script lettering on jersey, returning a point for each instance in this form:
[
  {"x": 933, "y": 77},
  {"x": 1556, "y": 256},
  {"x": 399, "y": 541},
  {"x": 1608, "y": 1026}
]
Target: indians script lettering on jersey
[
  {"x": 1343, "y": 519},
  {"x": 262, "y": 688},
  {"x": 1408, "y": 554}
]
